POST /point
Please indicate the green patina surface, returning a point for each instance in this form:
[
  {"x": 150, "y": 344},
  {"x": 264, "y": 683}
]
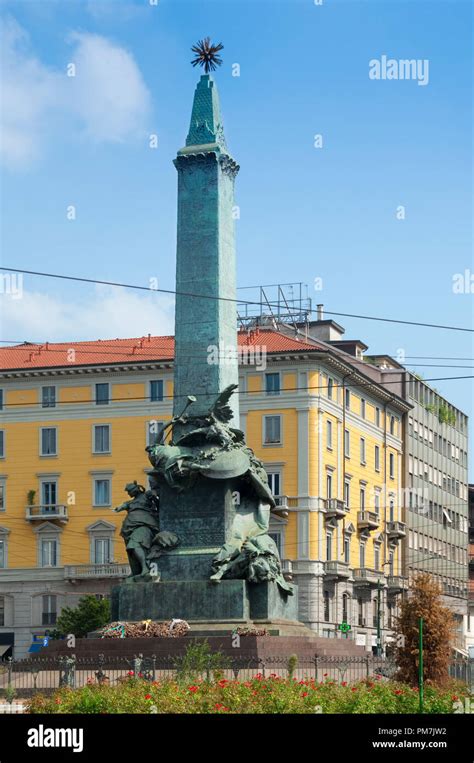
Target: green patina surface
[{"x": 205, "y": 262}]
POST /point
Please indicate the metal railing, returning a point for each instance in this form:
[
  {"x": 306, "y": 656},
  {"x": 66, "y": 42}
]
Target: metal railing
[{"x": 46, "y": 675}]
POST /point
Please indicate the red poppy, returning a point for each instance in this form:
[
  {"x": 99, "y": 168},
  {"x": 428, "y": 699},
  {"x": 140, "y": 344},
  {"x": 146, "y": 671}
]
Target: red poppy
[
  {"x": 147, "y": 696},
  {"x": 344, "y": 683},
  {"x": 305, "y": 694},
  {"x": 398, "y": 691},
  {"x": 193, "y": 688},
  {"x": 354, "y": 688},
  {"x": 454, "y": 698}
]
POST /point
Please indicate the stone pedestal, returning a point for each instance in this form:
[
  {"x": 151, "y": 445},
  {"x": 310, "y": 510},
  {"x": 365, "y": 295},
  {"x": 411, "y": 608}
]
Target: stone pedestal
[{"x": 232, "y": 602}]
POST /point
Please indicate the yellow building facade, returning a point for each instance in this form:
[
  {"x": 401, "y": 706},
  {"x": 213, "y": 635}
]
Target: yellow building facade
[{"x": 73, "y": 433}]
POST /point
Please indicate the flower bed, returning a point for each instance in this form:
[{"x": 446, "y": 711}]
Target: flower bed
[{"x": 261, "y": 694}]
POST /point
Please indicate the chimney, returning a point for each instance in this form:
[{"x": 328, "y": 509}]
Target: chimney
[{"x": 320, "y": 312}]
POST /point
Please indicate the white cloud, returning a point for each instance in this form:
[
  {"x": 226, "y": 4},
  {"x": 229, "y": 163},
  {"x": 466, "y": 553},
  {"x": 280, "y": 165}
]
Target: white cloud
[
  {"x": 29, "y": 91},
  {"x": 107, "y": 313},
  {"x": 107, "y": 100},
  {"x": 107, "y": 94}
]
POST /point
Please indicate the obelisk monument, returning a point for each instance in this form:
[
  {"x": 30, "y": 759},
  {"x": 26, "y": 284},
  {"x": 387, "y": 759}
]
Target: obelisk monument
[{"x": 206, "y": 314}]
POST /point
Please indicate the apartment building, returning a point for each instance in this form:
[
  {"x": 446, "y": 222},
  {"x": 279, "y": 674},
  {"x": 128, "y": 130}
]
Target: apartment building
[{"x": 76, "y": 417}]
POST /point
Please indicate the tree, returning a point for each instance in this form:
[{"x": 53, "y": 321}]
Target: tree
[
  {"x": 90, "y": 614},
  {"x": 424, "y": 600}
]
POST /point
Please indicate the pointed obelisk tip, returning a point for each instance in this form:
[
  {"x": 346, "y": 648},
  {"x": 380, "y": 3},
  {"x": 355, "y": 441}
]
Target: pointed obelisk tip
[{"x": 206, "y": 123}]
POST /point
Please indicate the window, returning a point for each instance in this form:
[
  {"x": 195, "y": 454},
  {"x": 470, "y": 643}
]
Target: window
[
  {"x": 329, "y": 435},
  {"x": 156, "y": 390},
  {"x": 390, "y": 614},
  {"x": 360, "y": 611},
  {"x": 362, "y": 407},
  {"x": 101, "y": 438},
  {"x": 272, "y": 429},
  {"x": 362, "y": 555},
  {"x": 377, "y": 458},
  {"x": 328, "y": 546},
  {"x": 345, "y": 609},
  {"x": 48, "y": 397},
  {"x": 347, "y": 399},
  {"x": 48, "y": 441},
  {"x": 329, "y": 485},
  {"x": 3, "y": 554},
  {"x": 391, "y": 510},
  {"x": 362, "y": 499},
  {"x": 376, "y": 612},
  {"x": 155, "y": 435},
  {"x": 347, "y": 549},
  {"x": 392, "y": 424},
  {"x": 347, "y": 493},
  {"x": 376, "y": 556},
  {"x": 49, "y": 491},
  {"x": 102, "y": 394},
  {"x": 347, "y": 443},
  {"x": 1, "y": 399},
  {"x": 49, "y": 610},
  {"x": 272, "y": 384},
  {"x": 390, "y": 564},
  {"x": 274, "y": 482},
  {"x": 276, "y": 537},
  {"x": 102, "y": 551},
  {"x": 2, "y": 611},
  {"x": 391, "y": 461},
  {"x": 377, "y": 417},
  {"x": 49, "y": 552},
  {"x": 2, "y": 443},
  {"x": 102, "y": 492},
  {"x": 327, "y": 606},
  {"x": 362, "y": 451},
  {"x": 330, "y": 388},
  {"x": 377, "y": 502}
]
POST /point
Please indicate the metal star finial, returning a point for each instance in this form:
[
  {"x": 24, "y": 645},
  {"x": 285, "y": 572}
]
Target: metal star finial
[{"x": 206, "y": 55}]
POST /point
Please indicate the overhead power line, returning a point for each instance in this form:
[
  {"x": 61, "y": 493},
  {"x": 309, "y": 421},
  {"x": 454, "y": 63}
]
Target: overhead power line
[{"x": 225, "y": 299}]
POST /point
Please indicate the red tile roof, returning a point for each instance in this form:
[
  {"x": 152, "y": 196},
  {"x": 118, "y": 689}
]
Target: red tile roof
[{"x": 139, "y": 349}]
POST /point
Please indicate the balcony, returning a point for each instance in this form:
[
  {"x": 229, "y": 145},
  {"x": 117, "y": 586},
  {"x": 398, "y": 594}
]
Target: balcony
[
  {"x": 396, "y": 530},
  {"x": 88, "y": 571},
  {"x": 281, "y": 507},
  {"x": 396, "y": 584},
  {"x": 471, "y": 561},
  {"x": 363, "y": 576},
  {"x": 367, "y": 520},
  {"x": 47, "y": 512},
  {"x": 335, "y": 509},
  {"x": 337, "y": 570}
]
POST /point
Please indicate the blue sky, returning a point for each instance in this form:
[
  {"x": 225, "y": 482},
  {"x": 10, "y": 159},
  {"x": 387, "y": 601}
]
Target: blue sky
[{"x": 306, "y": 212}]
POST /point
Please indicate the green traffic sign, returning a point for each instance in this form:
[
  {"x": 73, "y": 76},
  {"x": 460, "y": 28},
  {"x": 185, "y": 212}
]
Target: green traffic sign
[{"x": 344, "y": 627}]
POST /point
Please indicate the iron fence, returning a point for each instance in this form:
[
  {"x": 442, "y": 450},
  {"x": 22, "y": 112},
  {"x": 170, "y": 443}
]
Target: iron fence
[{"x": 23, "y": 678}]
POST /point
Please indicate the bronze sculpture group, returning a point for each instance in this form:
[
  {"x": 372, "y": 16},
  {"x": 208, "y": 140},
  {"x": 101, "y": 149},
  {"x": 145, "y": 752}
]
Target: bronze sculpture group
[{"x": 202, "y": 448}]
